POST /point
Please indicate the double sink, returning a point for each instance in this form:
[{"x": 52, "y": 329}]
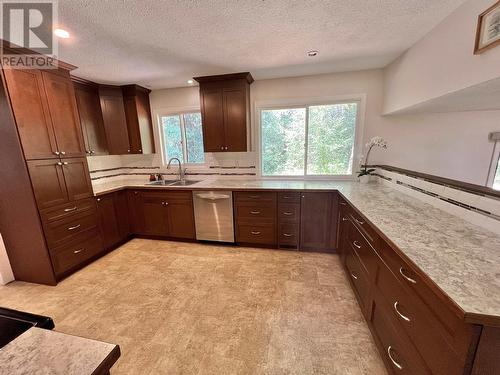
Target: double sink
[{"x": 173, "y": 183}]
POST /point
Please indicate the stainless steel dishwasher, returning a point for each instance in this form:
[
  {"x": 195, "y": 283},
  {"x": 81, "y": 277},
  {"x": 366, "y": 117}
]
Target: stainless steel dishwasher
[{"x": 213, "y": 213}]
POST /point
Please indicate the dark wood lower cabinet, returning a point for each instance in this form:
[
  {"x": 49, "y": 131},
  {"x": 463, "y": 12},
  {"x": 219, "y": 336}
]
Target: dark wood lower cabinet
[
  {"x": 417, "y": 329},
  {"x": 318, "y": 221},
  {"x": 113, "y": 218},
  {"x": 164, "y": 214}
]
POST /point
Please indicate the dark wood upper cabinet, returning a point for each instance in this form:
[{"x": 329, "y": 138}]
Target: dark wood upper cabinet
[
  {"x": 318, "y": 221},
  {"x": 115, "y": 122},
  {"x": 225, "y": 111},
  {"x": 138, "y": 115},
  {"x": 213, "y": 120},
  {"x": 31, "y": 112},
  {"x": 89, "y": 110},
  {"x": 62, "y": 107}
]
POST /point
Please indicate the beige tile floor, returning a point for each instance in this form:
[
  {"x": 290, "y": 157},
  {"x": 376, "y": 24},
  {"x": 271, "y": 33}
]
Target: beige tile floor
[{"x": 177, "y": 308}]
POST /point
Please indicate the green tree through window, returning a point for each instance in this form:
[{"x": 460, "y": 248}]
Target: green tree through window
[
  {"x": 326, "y": 149},
  {"x": 183, "y": 137}
]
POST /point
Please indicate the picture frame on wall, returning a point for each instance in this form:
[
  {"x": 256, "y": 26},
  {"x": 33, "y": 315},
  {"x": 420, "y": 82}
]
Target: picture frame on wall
[{"x": 488, "y": 29}]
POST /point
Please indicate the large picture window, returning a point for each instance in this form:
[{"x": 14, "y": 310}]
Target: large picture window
[
  {"x": 182, "y": 137},
  {"x": 315, "y": 140}
]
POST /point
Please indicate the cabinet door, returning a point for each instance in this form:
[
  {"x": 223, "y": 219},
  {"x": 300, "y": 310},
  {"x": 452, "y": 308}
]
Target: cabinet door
[
  {"x": 317, "y": 223},
  {"x": 31, "y": 112},
  {"x": 213, "y": 120},
  {"x": 134, "y": 135},
  {"x": 77, "y": 178},
  {"x": 62, "y": 107},
  {"x": 115, "y": 123},
  {"x": 108, "y": 220},
  {"x": 89, "y": 110},
  {"x": 153, "y": 211},
  {"x": 48, "y": 184},
  {"x": 122, "y": 217},
  {"x": 180, "y": 217},
  {"x": 235, "y": 119},
  {"x": 134, "y": 211}
]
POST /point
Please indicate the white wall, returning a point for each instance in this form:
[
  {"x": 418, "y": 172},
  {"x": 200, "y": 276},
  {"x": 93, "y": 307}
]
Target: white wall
[
  {"x": 367, "y": 82},
  {"x": 453, "y": 145},
  {"x": 442, "y": 62}
]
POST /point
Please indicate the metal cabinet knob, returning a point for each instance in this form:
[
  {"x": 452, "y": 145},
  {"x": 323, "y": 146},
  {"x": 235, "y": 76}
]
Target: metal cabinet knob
[
  {"x": 65, "y": 163},
  {"x": 63, "y": 152},
  {"x": 98, "y": 199},
  {"x": 140, "y": 150},
  {"x": 225, "y": 148},
  {"x": 56, "y": 152},
  {"x": 59, "y": 163},
  {"x": 128, "y": 150},
  {"x": 222, "y": 147}
]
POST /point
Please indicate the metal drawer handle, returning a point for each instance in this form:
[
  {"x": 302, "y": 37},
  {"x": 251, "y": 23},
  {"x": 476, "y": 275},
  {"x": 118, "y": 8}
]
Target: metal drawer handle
[
  {"x": 255, "y": 212},
  {"x": 359, "y": 221},
  {"x": 397, "y": 312},
  {"x": 356, "y": 243},
  {"x": 287, "y": 213},
  {"x": 389, "y": 350},
  {"x": 78, "y": 251},
  {"x": 287, "y": 234},
  {"x": 343, "y": 203},
  {"x": 354, "y": 276},
  {"x": 286, "y": 197},
  {"x": 345, "y": 219},
  {"x": 75, "y": 227},
  {"x": 70, "y": 209},
  {"x": 401, "y": 271},
  {"x": 255, "y": 233}
]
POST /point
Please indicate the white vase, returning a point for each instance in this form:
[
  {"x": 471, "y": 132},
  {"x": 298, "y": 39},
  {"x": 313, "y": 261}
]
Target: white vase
[{"x": 364, "y": 179}]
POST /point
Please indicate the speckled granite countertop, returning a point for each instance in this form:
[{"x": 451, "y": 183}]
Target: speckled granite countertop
[
  {"x": 461, "y": 258},
  {"x": 40, "y": 351}
]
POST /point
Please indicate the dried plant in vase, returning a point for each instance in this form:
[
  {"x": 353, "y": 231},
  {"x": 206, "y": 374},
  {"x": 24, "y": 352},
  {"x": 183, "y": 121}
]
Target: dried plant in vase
[{"x": 364, "y": 173}]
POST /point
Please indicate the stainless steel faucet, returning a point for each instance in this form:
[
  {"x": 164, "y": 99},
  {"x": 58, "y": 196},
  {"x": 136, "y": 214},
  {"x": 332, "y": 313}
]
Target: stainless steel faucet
[{"x": 181, "y": 172}]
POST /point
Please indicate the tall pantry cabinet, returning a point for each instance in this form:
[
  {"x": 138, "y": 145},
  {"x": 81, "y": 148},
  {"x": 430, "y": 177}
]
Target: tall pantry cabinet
[{"x": 48, "y": 214}]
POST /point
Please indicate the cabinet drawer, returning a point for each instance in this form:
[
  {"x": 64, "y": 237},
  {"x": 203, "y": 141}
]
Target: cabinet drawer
[
  {"x": 289, "y": 197},
  {"x": 365, "y": 228},
  {"x": 363, "y": 249},
  {"x": 68, "y": 209},
  {"x": 409, "y": 277},
  {"x": 425, "y": 331},
  {"x": 255, "y": 234},
  {"x": 255, "y": 212},
  {"x": 58, "y": 232},
  {"x": 289, "y": 212},
  {"x": 252, "y": 196},
  {"x": 82, "y": 248},
  {"x": 358, "y": 277},
  {"x": 398, "y": 352},
  {"x": 288, "y": 234}
]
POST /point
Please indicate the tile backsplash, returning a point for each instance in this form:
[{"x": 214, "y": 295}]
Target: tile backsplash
[
  {"x": 479, "y": 209},
  {"x": 109, "y": 167}
]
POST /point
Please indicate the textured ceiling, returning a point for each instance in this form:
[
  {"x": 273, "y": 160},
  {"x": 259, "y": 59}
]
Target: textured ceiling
[{"x": 162, "y": 43}]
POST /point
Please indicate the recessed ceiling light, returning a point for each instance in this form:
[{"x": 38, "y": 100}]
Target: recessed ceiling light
[
  {"x": 312, "y": 53},
  {"x": 190, "y": 81},
  {"x": 61, "y": 33}
]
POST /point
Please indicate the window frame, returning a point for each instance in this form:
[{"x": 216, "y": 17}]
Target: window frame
[
  {"x": 161, "y": 140},
  {"x": 360, "y": 99},
  {"x": 494, "y": 164}
]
